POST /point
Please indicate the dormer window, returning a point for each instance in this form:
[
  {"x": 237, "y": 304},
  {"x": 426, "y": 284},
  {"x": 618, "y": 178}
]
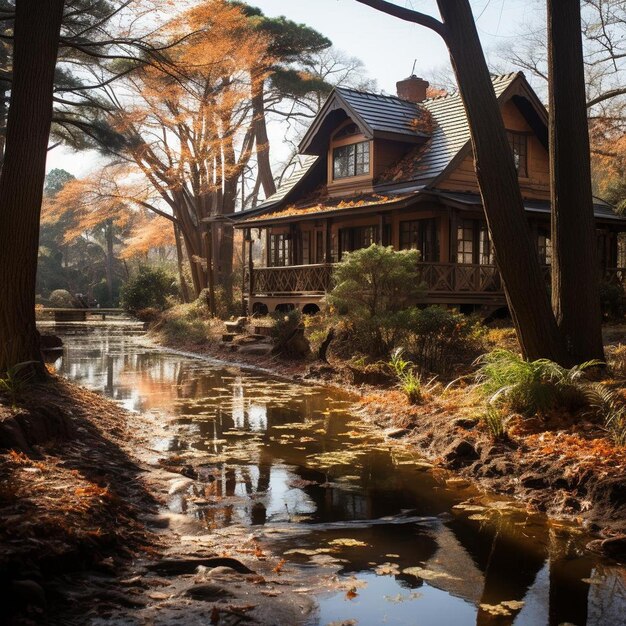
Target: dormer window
[
  {"x": 519, "y": 146},
  {"x": 351, "y": 160}
]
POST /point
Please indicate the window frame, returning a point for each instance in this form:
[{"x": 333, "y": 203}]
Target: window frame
[
  {"x": 518, "y": 142},
  {"x": 279, "y": 250},
  {"x": 353, "y": 160},
  {"x": 423, "y": 235}
]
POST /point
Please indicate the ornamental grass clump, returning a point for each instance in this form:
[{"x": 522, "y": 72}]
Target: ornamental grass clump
[
  {"x": 495, "y": 420},
  {"x": 529, "y": 387},
  {"x": 409, "y": 381}
]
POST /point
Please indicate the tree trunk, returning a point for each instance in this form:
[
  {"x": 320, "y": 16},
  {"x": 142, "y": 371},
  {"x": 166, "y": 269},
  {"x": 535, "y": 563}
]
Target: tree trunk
[
  {"x": 499, "y": 187},
  {"x": 36, "y": 41},
  {"x": 262, "y": 140},
  {"x": 184, "y": 289},
  {"x": 109, "y": 259},
  {"x": 575, "y": 269}
]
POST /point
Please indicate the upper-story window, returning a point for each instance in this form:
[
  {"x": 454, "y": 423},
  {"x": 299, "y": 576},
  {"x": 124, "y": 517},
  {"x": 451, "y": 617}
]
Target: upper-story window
[
  {"x": 351, "y": 160},
  {"x": 519, "y": 146}
]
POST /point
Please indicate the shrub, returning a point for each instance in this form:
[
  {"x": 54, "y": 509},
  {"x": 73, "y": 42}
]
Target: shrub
[
  {"x": 616, "y": 356},
  {"x": 149, "y": 288},
  {"x": 529, "y": 387},
  {"x": 612, "y": 300},
  {"x": 440, "y": 335},
  {"x": 375, "y": 289},
  {"x": 288, "y": 333},
  {"x": 62, "y": 299},
  {"x": 185, "y": 324}
]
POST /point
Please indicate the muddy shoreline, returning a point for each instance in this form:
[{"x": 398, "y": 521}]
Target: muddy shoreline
[{"x": 85, "y": 534}]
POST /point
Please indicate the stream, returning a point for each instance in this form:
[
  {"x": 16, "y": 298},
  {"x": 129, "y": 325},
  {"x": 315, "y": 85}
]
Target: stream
[{"x": 409, "y": 545}]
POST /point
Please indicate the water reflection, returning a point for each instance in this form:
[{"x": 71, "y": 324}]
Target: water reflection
[{"x": 279, "y": 455}]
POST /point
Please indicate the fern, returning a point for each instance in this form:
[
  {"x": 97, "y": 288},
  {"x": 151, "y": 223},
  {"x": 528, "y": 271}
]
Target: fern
[{"x": 528, "y": 387}]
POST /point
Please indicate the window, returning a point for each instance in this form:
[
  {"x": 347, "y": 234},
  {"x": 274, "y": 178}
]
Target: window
[
  {"x": 351, "y": 160},
  {"x": 421, "y": 235},
  {"x": 544, "y": 247},
  {"x": 519, "y": 146},
  {"x": 351, "y": 239},
  {"x": 279, "y": 250},
  {"x": 465, "y": 241},
  {"x": 486, "y": 255}
]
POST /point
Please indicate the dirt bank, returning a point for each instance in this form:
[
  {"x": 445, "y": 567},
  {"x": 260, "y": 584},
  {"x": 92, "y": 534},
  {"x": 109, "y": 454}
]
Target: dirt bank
[{"x": 85, "y": 535}]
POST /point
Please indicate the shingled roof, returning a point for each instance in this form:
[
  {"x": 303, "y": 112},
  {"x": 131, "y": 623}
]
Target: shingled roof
[
  {"x": 377, "y": 116},
  {"x": 450, "y": 135}
]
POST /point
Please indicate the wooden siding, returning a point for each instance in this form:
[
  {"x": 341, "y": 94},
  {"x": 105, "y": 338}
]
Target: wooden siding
[{"x": 536, "y": 186}]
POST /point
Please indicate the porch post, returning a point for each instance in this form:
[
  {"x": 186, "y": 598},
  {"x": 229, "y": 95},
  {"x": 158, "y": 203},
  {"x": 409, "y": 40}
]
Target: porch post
[
  {"x": 381, "y": 228},
  {"x": 327, "y": 241},
  {"x": 250, "y": 273}
]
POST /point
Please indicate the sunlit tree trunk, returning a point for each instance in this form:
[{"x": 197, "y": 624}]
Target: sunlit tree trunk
[
  {"x": 575, "y": 269},
  {"x": 262, "y": 140},
  {"x": 36, "y": 41}
]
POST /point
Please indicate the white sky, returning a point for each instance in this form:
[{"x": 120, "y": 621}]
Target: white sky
[{"x": 386, "y": 45}]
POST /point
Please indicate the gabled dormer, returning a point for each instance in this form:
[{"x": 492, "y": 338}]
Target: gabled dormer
[{"x": 359, "y": 135}]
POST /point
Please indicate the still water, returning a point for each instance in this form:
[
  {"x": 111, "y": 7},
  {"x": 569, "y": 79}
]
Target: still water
[{"x": 410, "y": 548}]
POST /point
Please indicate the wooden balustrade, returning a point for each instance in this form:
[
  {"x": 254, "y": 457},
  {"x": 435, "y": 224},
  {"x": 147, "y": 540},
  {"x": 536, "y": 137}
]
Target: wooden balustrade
[
  {"x": 293, "y": 279},
  {"x": 439, "y": 279}
]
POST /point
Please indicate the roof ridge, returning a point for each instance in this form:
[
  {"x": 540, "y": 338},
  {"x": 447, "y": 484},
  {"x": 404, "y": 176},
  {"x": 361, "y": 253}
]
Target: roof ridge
[
  {"x": 495, "y": 78},
  {"x": 376, "y": 95}
]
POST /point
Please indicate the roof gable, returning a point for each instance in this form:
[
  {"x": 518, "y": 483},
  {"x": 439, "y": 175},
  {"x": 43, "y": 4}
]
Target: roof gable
[{"x": 377, "y": 116}]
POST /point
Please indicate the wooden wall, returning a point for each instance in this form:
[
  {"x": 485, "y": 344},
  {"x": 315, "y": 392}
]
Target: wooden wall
[{"x": 535, "y": 186}]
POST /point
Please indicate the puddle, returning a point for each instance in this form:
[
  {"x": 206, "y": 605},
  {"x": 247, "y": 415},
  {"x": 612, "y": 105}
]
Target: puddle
[{"x": 292, "y": 464}]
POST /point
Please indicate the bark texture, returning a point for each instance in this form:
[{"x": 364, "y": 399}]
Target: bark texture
[
  {"x": 36, "y": 41},
  {"x": 575, "y": 268},
  {"x": 499, "y": 188}
]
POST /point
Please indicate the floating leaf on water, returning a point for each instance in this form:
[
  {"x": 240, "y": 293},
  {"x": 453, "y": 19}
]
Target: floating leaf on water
[
  {"x": 466, "y": 506},
  {"x": 347, "y": 542},
  {"x": 392, "y": 556},
  {"x": 427, "y": 574},
  {"x": 387, "y": 569},
  {"x": 308, "y": 552},
  {"x": 503, "y": 609},
  {"x": 593, "y": 581}
]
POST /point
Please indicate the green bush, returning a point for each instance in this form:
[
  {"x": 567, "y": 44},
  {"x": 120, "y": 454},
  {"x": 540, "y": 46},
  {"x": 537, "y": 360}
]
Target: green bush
[
  {"x": 62, "y": 299},
  {"x": 375, "y": 290},
  {"x": 612, "y": 300},
  {"x": 149, "y": 288},
  {"x": 185, "y": 324},
  {"x": 439, "y": 336},
  {"x": 288, "y": 333},
  {"x": 529, "y": 387}
]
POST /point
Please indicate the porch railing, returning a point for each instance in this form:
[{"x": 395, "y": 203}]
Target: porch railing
[
  {"x": 439, "y": 279},
  {"x": 293, "y": 279}
]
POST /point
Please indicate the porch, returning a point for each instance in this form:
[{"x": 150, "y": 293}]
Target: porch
[{"x": 475, "y": 286}]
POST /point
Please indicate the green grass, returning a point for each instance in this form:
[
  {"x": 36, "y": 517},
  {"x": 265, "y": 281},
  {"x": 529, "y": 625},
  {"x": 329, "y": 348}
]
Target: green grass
[{"x": 16, "y": 379}]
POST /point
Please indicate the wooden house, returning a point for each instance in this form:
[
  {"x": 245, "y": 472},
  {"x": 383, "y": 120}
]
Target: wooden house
[{"x": 399, "y": 171}]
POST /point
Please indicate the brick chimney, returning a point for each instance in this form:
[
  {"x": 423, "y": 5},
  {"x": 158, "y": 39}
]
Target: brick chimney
[{"x": 412, "y": 88}]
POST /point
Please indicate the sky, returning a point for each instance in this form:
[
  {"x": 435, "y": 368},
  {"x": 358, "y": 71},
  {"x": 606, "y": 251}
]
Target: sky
[{"x": 387, "y": 46}]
